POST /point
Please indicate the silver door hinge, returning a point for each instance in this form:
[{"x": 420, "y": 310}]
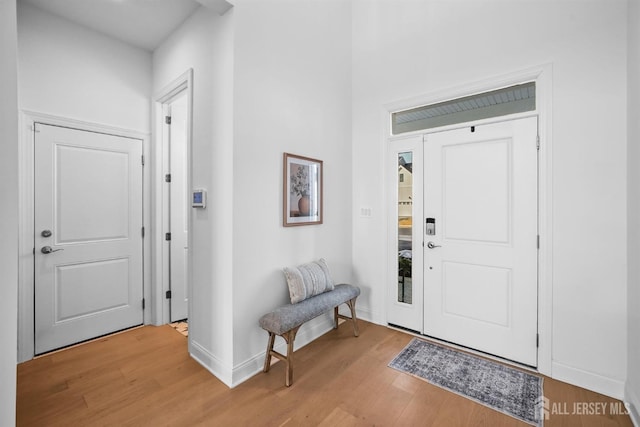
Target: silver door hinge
[
  {"x": 538, "y": 241},
  {"x": 167, "y": 178},
  {"x": 143, "y": 303},
  {"x": 167, "y": 119},
  {"x": 167, "y": 295},
  {"x": 537, "y": 142},
  {"x": 537, "y": 340},
  {"x": 167, "y": 236},
  {"x": 142, "y": 159},
  {"x": 142, "y": 231}
]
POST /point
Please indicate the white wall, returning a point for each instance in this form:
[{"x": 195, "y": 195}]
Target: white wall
[
  {"x": 404, "y": 49},
  {"x": 8, "y": 211},
  {"x": 633, "y": 167},
  {"x": 205, "y": 44},
  {"x": 292, "y": 93},
  {"x": 74, "y": 72},
  {"x": 311, "y": 77}
]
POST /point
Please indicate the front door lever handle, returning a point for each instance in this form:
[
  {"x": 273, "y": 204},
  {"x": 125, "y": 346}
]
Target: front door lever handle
[
  {"x": 49, "y": 249},
  {"x": 432, "y": 245}
]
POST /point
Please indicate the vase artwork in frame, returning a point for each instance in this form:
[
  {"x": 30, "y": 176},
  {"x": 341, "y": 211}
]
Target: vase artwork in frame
[{"x": 302, "y": 195}]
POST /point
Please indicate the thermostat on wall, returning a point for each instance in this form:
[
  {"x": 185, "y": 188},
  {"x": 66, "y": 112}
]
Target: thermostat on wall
[{"x": 199, "y": 198}]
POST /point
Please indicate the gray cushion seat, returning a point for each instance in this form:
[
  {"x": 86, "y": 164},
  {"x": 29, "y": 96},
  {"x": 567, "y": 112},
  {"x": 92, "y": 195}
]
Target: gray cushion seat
[{"x": 284, "y": 319}]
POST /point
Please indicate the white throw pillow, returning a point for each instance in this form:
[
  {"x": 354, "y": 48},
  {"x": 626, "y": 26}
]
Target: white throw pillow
[{"x": 308, "y": 279}]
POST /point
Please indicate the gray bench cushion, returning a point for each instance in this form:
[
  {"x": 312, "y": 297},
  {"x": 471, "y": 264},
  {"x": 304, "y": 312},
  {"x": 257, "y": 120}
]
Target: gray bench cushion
[{"x": 285, "y": 318}]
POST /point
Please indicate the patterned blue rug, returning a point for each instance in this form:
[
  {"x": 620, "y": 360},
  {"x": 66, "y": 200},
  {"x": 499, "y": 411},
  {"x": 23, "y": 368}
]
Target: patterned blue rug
[{"x": 510, "y": 391}]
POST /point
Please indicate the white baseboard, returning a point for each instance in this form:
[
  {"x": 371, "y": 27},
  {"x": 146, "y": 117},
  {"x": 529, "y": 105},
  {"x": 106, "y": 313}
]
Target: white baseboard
[
  {"x": 210, "y": 363},
  {"x": 249, "y": 368},
  {"x": 632, "y": 401},
  {"x": 589, "y": 380},
  {"x": 367, "y": 315},
  {"x": 633, "y": 414}
]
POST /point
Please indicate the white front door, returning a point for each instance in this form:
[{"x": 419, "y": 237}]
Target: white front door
[
  {"x": 88, "y": 235},
  {"x": 178, "y": 205},
  {"x": 480, "y": 265}
]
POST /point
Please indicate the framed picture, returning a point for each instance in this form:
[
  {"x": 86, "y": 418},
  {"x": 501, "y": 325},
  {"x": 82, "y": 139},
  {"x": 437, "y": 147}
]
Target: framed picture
[{"x": 302, "y": 196}]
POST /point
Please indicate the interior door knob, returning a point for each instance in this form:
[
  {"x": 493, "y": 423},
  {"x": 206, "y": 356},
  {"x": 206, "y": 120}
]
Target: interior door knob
[
  {"x": 49, "y": 249},
  {"x": 432, "y": 245}
]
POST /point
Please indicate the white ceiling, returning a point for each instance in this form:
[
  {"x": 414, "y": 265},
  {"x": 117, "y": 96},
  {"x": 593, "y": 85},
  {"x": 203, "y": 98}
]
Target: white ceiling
[{"x": 141, "y": 23}]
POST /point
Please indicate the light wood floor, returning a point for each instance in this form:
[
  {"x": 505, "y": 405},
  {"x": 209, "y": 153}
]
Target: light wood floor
[{"x": 145, "y": 377}]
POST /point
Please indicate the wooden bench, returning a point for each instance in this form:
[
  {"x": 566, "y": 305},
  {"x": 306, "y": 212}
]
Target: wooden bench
[{"x": 285, "y": 321}]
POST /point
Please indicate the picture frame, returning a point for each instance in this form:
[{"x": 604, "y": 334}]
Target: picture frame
[{"x": 302, "y": 190}]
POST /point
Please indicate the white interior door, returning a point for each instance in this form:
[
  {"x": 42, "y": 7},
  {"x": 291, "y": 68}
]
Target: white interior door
[
  {"x": 405, "y": 299},
  {"x": 178, "y": 206},
  {"x": 88, "y": 235},
  {"x": 480, "y": 266}
]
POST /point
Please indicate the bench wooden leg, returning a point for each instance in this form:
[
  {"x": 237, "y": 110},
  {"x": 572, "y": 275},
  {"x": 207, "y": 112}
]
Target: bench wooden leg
[
  {"x": 336, "y": 316},
  {"x": 289, "y": 337},
  {"x": 352, "y": 306},
  {"x": 267, "y": 358},
  {"x": 354, "y": 320}
]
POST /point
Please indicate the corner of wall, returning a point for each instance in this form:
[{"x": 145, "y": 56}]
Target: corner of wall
[
  {"x": 211, "y": 363},
  {"x": 9, "y": 173},
  {"x": 632, "y": 402},
  {"x": 203, "y": 43}
]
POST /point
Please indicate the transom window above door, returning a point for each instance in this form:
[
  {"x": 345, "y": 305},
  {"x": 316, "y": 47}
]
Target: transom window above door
[{"x": 500, "y": 102}]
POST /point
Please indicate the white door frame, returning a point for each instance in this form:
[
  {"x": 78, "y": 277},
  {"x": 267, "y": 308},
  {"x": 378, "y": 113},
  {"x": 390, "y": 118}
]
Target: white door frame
[
  {"x": 26, "y": 343},
  {"x": 160, "y": 207},
  {"x": 542, "y": 75}
]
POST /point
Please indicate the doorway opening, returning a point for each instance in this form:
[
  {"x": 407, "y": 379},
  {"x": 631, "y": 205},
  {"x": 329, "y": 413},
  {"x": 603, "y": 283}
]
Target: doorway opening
[
  {"x": 113, "y": 248},
  {"x": 398, "y": 139},
  {"x": 173, "y": 184},
  {"x": 473, "y": 224}
]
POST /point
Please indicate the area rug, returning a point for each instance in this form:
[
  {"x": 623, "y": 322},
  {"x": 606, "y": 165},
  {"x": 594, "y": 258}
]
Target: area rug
[{"x": 496, "y": 386}]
